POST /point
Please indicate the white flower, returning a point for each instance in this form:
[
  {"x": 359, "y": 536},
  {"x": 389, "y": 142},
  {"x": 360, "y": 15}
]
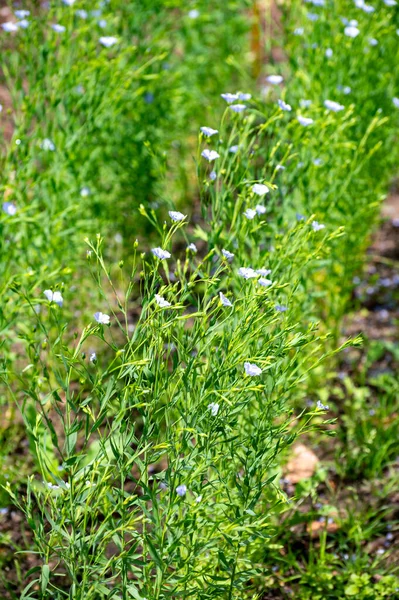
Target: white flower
[
  {"x": 9, "y": 26},
  {"x": 214, "y": 408},
  {"x": 181, "y": 490},
  {"x": 198, "y": 499},
  {"x": 208, "y": 131},
  {"x": 161, "y": 301},
  {"x": 333, "y": 106},
  {"x": 395, "y": 102},
  {"x": 192, "y": 247},
  {"x": 237, "y": 108},
  {"x": 264, "y": 282},
  {"x": 366, "y": 7},
  {"x": 54, "y": 297},
  {"x": 9, "y": 208},
  {"x": 329, "y": 52},
  {"x": 194, "y": 13},
  {"x": 260, "y": 209},
  {"x": 22, "y": 14},
  {"x": 390, "y": 2},
  {"x": 160, "y": 253},
  {"x": 299, "y": 31},
  {"x": 108, "y": 41},
  {"x": 251, "y": 369},
  {"x": 225, "y": 301},
  {"x": 274, "y": 79},
  {"x": 176, "y": 216},
  {"x": 250, "y": 213},
  {"x": 321, "y": 406},
  {"x": 234, "y": 149},
  {"x": 228, "y": 255},
  {"x": 102, "y": 318},
  {"x": 373, "y": 42},
  {"x": 84, "y": 192},
  {"x": 69, "y": 2},
  {"x": 242, "y": 96},
  {"x": 102, "y": 23},
  {"x": 351, "y": 31},
  {"x": 316, "y": 226},
  {"x": 93, "y": 357},
  {"x": 247, "y": 272},
  {"x": 58, "y": 28},
  {"x": 229, "y": 97},
  {"x": 47, "y": 145},
  {"x": 210, "y": 155},
  {"x": 280, "y": 168},
  {"x": 83, "y": 14},
  {"x": 260, "y": 189},
  {"x": 23, "y": 24},
  {"x": 212, "y": 175},
  {"x": 304, "y": 120},
  {"x": 305, "y": 103},
  {"x": 346, "y": 90},
  {"x": 283, "y": 105},
  {"x": 312, "y": 16},
  {"x": 263, "y": 272}
]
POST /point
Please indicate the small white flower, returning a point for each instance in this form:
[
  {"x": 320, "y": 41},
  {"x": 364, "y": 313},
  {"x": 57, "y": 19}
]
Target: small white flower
[
  {"x": 312, "y": 17},
  {"x": 9, "y": 208},
  {"x": 329, "y": 52},
  {"x": 69, "y": 2},
  {"x": 23, "y": 24},
  {"x": 22, "y": 14},
  {"x": 229, "y": 97},
  {"x": 198, "y": 499},
  {"x": 194, "y": 13},
  {"x": 280, "y": 168},
  {"x": 234, "y": 149},
  {"x": 264, "y": 282},
  {"x": 351, "y": 31},
  {"x": 395, "y": 102},
  {"x": 260, "y": 189},
  {"x": 247, "y": 272},
  {"x": 274, "y": 79},
  {"x": 305, "y": 121},
  {"x": 242, "y": 96},
  {"x": 305, "y": 103},
  {"x": 333, "y": 106},
  {"x": 283, "y": 105},
  {"x": 260, "y": 209},
  {"x": 84, "y": 192},
  {"x": 58, "y": 28},
  {"x": 83, "y": 14},
  {"x": 214, "y": 408},
  {"x": 54, "y": 297},
  {"x": 102, "y": 23},
  {"x": 251, "y": 369},
  {"x": 177, "y": 216},
  {"x": 212, "y": 175},
  {"x": 225, "y": 301},
  {"x": 93, "y": 357},
  {"x": 161, "y": 301},
  {"x": 299, "y": 31},
  {"x": 316, "y": 226},
  {"x": 263, "y": 272},
  {"x": 210, "y": 155},
  {"x": 192, "y": 247},
  {"x": 9, "y": 26},
  {"x": 346, "y": 90},
  {"x": 321, "y": 406},
  {"x": 250, "y": 213},
  {"x": 160, "y": 253},
  {"x": 390, "y": 2},
  {"x": 373, "y": 42},
  {"x": 102, "y": 318},
  {"x": 47, "y": 145},
  {"x": 108, "y": 41},
  {"x": 237, "y": 108},
  {"x": 208, "y": 131},
  {"x": 228, "y": 255},
  {"x": 181, "y": 490}
]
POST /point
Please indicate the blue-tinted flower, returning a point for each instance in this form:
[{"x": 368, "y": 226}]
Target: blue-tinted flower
[
  {"x": 47, "y": 145},
  {"x": 102, "y": 318},
  {"x": 281, "y": 308},
  {"x": 321, "y": 406},
  {"x": 160, "y": 253},
  {"x": 275, "y": 79},
  {"x": 260, "y": 189},
  {"x": 333, "y": 106},
  {"x": 280, "y": 168},
  {"x": 237, "y": 108},
  {"x": 260, "y": 209},
  {"x": 305, "y": 121},
  {"x": 305, "y": 103},
  {"x": 58, "y": 28},
  {"x": 177, "y": 216},
  {"x": 250, "y": 213},
  {"x": 229, "y": 97},
  {"x": 234, "y": 149},
  {"x": 312, "y": 17},
  {"x": 181, "y": 490},
  {"x": 108, "y": 41},
  {"x": 162, "y": 303},
  {"x": 264, "y": 282},
  {"x": 22, "y": 14},
  {"x": 93, "y": 357},
  {"x": 194, "y": 13},
  {"x": 83, "y": 14},
  {"x": 23, "y": 24},
  {"x": 54, "y": 297},
  {"x": 192, "y": 247},
  {"x": 228, "y": 255},
  {"x": 365, "y": 7},
  {"x": 102, "y": 23},
  {"x": 395, "y": 102},
  {"x": 299, "y": 31},
  {"x": 69, "y": 2},
  {"x": 283, "y": 105},
  {"x": 263, "y": 272},
  {"x": 316, "y": 226},
  {"x": 210, "y": 155},
  {"x": 351, "y": 31},
  {"x": 329, "y": 53},
  {"x": 84, "y": 192},
  {"x": 9, "y": 208},
  {"x": 9, "y": 26},
  {"x": 214, "y": 408},
  {"x": 242, "y": 96},
  {"x": 373, "y": 42},
  {"x": 252, "y": 370},
  {"x": 225, "y": 301},
  {"x": 247, "y": 272},
  {"x": 208, "y": 131},
  {"x": 390, "y": 2},
  {"x": 212, "y": 175}
]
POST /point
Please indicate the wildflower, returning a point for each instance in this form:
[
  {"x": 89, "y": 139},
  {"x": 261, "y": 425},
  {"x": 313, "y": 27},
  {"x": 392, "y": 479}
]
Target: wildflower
[
  {"x": 263, "y": 272},
  {"x": 210, "y": 155},
  {"x": 225, "y": 301},
  {"x": 160, "y": 253},
  {"x": 304, "y": 121},
  {"x": 329, "y": 52},
  {"x": 312, "y": 17},
  {"x": 102, "y": 318},
  {"x": 83, "y": 14},
  {"x": 23, "y": 24},
  {"x": 299, "y": 31},
  {"x": 208, "y": 131},
  {"x": 283, "y": 105},
  {"x": 214, "y": 408},
  {"x": 333, "y": 106},
  {"x": 274, "y": 79},
  {"x": 181, "y": 490},
  {"x": 373, "y": 42},
  {"x": 194, "y": 13},
  {"x": 351, "y": 31},
  {"x": 250, "y": 213},
  {"x": 242, "y": 96},
  {"x": 47, "y": 145},
  {"x": 93, "y": 357},
  {"x": 58, "y": 28},
  {"x": 69, "y": 2},
  {"x": 9, "y": 26},
  {"x": 264, "y": 282},
  {"x": 234, "y": 149},
  {"x": 260, "y": 189},
  {"x": 84, "y": 192},
  {"x": 345, "y": 89},
  {"x": 212, "y": 175},
  {"x": 54, "y": 297},
  {"x": 251, "y": 369},
  {"x": 395, "y": 102},
  {"x": 198, "y": 499},
  {"x": 260, "y": 209},
  {"x": 280, "y": 168},
  {"x": 305, "y": 103},
  {"x": 228, "y": 255},
  {"x": 281, "y": 308},
  {"x": 247, "y": 272},
  {"x": 192, "y": 247},
  {"x": 321, "y": 406},
  {"x": 161, "y": 301},
  {"x": 229, "y": 97},
  {"x": 390, "y": 2},
  {"x": 317, "y": 162},
  {"x": 9, "y": 208},
  {"x": 177, "y": 216},
  {"x": 108, "y": 41},
  {"x": 237, "y": 108},
  {"x": 316, "y": 226},
  {"x": 22, "y": 14},
  {"x": 365, "y": 7}
]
